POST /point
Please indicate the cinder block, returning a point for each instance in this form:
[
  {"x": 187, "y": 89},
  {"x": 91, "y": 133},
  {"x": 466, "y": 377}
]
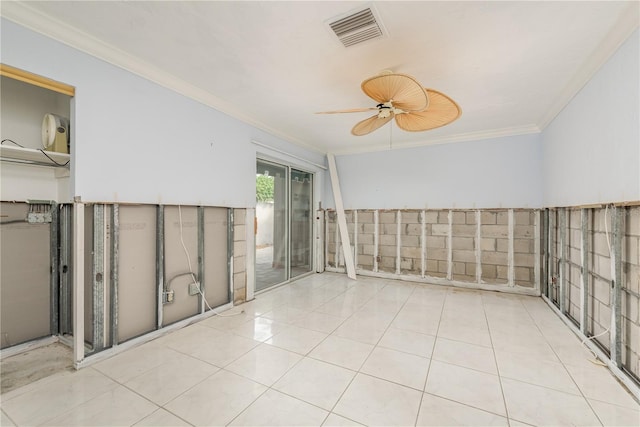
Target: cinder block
[
  {"x": 523, "y": 260},
  {"x": 388, "y": 240},
  {"x": 600, "y": 245},
  {"x": 523, "y": 275},
  {"x": 502, "y": 245},
  {"x": 365, "y": 217},
  {"x": 440, "y": 230},
  {"x": 464, "y": 230},
  {"x": 522, "y": 218},
  {"x": 487, "y": 244},
  {"x": 632, "y": 250},
  {"x": 494, "y": 231},
  {"x": 240, "y": 296},
  {"x": 495, "y": 258},
  {"x": 410, "y": 241},
  {"x": 443, "y": 217},
  {"x": 431, "y": 217},
  {"x": 391, "y": 229},
  {"x": 239, "y": 233},
  {"x": 412, "y": 229},
  {"x": 523, "y": 246},
  {"x": 438, "y": 254},
  {"x": 406, "y": 264},
  {"x": 387, "y": 217},
  {"x": 632, "y": 221},
  {"x": 443, "y": 266},
  {"x": 411, "y": 253},
  {"x": 522, "y": 231},
  {"x": 365, "y": 239},
  {"x": 239, "y": 248},
  {"x": 488, "y": 217},
  {"x": 601, "y": 291},
  {"x": 368, "y": 249},
  {"x": 503, "y": 273},
  {"x": 387, "y": 262},
  {"x": 489, "y": 272},
  {"x": 431, "y": 266},
  {"x": 239, "y": 281},
  {"x": 239, "y": 264},
  {"x": 604, "y": 315},
  {"x": 435, "y": 242},
  {"x": 633, "y": 278},
  {"x": 458, "y": 268},
  {"x": 602, "y": 266},
  {"x": 389, "y": 251},
  {"x": 502, "y": 218},
  {"x": 239, "y": 216},
  {"x": 370, "y": 228},
  {"x": 470, "y": 269},
  {"x": 410, "y": 217},
  {"x": 470, "y": 217},
  {"x": 462, "y": 243},
  {"x": 464, "y": 256},
  {"x": 459, "y": 217}
]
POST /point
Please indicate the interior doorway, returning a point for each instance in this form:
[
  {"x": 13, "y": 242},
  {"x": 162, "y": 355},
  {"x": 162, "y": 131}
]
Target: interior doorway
[{"x": 284, "y": 233}]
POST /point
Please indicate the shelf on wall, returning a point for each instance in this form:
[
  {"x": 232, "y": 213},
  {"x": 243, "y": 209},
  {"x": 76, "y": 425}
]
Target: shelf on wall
[{"x": 34, "y": 156}]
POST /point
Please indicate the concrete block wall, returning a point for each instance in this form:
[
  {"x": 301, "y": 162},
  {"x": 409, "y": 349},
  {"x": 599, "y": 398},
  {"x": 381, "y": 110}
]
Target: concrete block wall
[
  {"x": 599, "y": 268},
  {"x": 239, "y": 256},
  {"x": 631, "y": 291},
  {"x": 457, "y": 246}
]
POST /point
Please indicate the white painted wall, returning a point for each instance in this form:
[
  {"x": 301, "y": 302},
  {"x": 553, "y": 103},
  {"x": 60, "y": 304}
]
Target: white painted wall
[
  {"x": 492, "y": 173},
  {"x": 135, "y": 141},
  {"x": 591, "y": 151}
]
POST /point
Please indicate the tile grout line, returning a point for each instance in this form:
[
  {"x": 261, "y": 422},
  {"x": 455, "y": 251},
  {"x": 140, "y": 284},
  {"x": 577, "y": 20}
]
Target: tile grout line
[
  {"x": 563, "y": 364},
  {"x": 495, "y": 360},
  {"x": 424, "y": 387}
]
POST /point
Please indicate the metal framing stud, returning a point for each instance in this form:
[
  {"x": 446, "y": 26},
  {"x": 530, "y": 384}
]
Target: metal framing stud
[
  {"x": 98, "y": 277},
  {"x": 616, "y": 287},
  {"x": 65, "y": 269},
  {"x": 115, "y": 273},
  {"x": 159, "y": 264},
  {"x": 54, "y": 278},
  {"x": 584, "y": 271},
  {"x": 201, "y": 277},
  {"x": 562, "y": 297},
  {"x": 230, "y": 239}
]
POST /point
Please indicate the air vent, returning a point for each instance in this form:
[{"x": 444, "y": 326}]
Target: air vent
[{"x": 357, "y": 27}]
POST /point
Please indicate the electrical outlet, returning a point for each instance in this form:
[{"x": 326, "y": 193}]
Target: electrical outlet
[
  {"x": 194, "y": 288},
  {"x": 167, "y": 297}
]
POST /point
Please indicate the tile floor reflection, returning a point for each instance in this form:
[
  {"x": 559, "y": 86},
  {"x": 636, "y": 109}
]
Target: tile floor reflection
[{"x": 325, "y": 350}]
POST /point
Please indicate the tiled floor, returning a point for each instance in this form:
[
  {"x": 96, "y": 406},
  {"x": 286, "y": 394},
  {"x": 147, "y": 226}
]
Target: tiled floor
[{"x": 325, "y": 350}]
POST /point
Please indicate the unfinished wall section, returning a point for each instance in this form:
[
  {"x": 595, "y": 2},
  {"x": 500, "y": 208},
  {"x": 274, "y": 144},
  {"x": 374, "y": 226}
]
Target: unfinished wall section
[
  {"x": 592, "y": 267},
  {"x": 239, "y": 256},
  {"x": 489, "y": 249}
]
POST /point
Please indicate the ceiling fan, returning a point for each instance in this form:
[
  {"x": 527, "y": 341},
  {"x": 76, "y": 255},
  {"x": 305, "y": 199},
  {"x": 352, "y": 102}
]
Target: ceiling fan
[{"x": 402, "y": 97}]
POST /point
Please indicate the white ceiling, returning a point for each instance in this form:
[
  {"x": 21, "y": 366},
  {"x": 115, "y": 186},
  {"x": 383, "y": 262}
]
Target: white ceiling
[{"x": 511, "y": 66}]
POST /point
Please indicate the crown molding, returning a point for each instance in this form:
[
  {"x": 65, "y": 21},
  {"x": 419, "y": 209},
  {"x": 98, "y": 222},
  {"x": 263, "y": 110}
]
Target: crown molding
[
  {"x": 23, "y": 14},
  {"x": 460, "y": 137},
  {"x": 621, "y": 31}
]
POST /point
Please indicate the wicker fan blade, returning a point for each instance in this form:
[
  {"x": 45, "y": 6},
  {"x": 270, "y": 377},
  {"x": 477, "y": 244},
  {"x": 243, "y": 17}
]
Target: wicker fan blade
[
  {"x": 352, "y": 110},
  {"x": 405, "y": 91},
  {"x": 442, "y": 111},
  {"x": 369, "y": 125}
]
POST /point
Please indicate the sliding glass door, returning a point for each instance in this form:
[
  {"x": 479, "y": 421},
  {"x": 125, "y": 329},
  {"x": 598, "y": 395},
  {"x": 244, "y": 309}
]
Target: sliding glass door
[{"x": 283, "y": 223}]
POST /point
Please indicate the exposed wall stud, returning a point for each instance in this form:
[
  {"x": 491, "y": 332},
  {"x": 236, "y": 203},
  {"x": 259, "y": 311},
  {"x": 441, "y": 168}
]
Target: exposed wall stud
[
  {"x": 355, "y": 237},
  {"x": 201, "y": 278},
  {"x": 65, "y": 269},
  {"x": 584, "y": 271},
  {"x": 336, "y": 238},
  {"x": 114, "y": 254},
  {"x": 563, "y": 260},
  {"x": 78, "y": 283},
  {"x": 510, "y": 255},
  {"x": 98, "y": 277},
  {"x": 398, "y": 240},
  {"x": 450, "y": 247},
  {"x": 545, "y": 249},
  {"x": 552, "y": 287},
  {"x": 230, "y": 240},
  {"x": 54, "y": 278},
  {"x": 376, "y": 239},
  {"x": 159, "y": 263},
  {"x": 250, "y": 236},
  {"x": 616, "y": 286},
  {"x": 326, "y": 238},
  {"x": 478, "y": 246},
  {"x": 536, "y": 250},
  {"x": 423, "y": 243}
]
